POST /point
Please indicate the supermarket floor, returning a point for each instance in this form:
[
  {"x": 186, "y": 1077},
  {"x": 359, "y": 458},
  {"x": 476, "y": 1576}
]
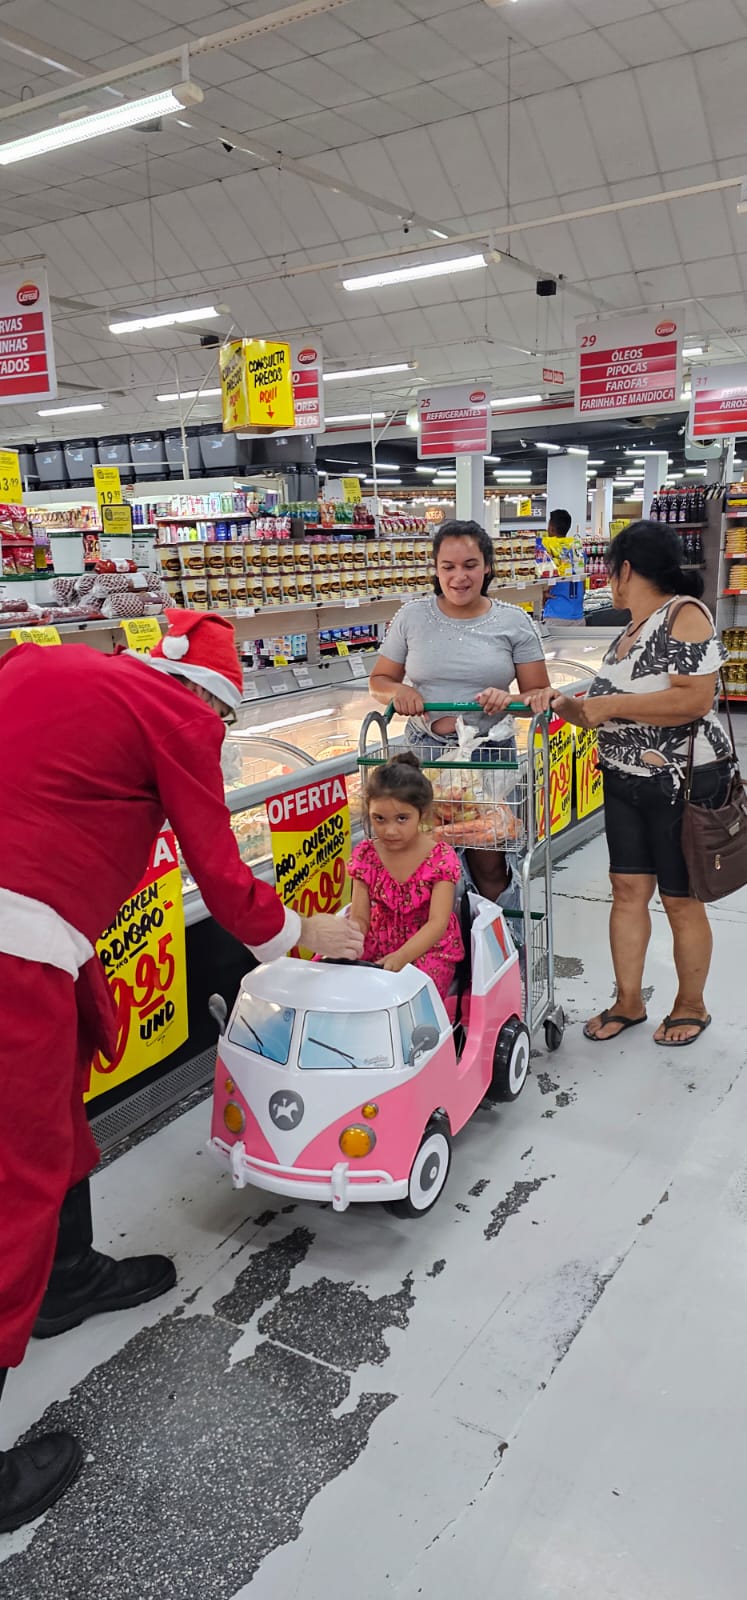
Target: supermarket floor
[{"x": 536, "y": 1391}]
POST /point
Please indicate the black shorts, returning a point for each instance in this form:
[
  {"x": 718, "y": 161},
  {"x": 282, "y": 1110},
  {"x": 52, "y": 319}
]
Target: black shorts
[{"x": 643, "y": 822}]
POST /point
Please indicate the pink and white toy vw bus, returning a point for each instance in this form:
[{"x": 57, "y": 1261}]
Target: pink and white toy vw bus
[{"x": 339, "y": 1081}]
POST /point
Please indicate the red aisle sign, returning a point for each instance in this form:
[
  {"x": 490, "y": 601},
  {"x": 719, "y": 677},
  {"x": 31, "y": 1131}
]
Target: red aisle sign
[
  {"x": 551, "y": 375},
  {"x": 454, "y": 421},
  {"x": 27, "y": 370},
  {"x": 628, "y": 364},
  {"x": 308, "y": 386},
  {"x": 719, "y": 401}
]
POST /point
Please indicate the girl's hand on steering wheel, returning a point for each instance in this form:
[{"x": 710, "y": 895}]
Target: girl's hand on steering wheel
[{"x": 493, "y": 700}]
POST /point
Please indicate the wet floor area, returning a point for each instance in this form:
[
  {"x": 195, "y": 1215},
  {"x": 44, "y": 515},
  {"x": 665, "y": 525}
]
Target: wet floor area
[{"x": 533, "y": 1391}]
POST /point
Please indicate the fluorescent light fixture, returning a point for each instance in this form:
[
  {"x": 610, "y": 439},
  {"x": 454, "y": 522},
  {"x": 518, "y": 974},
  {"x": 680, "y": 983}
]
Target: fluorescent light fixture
[
  {"x": 694, "y": 350},
  {"x": 165, "y": 319},
  {"x": 386, "y": 483},
  {"x": 517, "y": 400},
  {"x": 492, "y": 458},
  {"x": 66, "y": 411},
  {"x": 595, "y": 461},
  {"x": 513, "y": 477},
  {"x": 696, "y": 472},
  {"x": 128, "y": 115},
  {"x": 549, "y": 447},
  {"x": 190, "y": 394},
  {"x": 572, "y": 451},
  {"x": 368, "y": 372},
  {"x": 388, "y": 466},
  {"x": 360, "y": 416},
  {"x": 427, "y": 471},
  {"x": 438, "y": 234},
  {"x": 428, "y": 269}
]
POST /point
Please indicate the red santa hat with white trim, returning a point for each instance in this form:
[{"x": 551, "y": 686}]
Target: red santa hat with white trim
[{"x": 201, "y": 646}]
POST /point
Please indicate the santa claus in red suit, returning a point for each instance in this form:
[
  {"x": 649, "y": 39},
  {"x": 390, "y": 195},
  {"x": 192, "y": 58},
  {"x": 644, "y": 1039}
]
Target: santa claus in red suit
[{"x": 95, "y": 753}]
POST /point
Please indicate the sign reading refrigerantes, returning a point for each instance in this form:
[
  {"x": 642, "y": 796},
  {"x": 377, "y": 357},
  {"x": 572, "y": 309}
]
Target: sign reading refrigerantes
[
  {"x": 143, "y": 956},
  {"x": 27, "y": 369},
  {"x": 454, "y": 421},
  {"x": 628, "y": 364}
]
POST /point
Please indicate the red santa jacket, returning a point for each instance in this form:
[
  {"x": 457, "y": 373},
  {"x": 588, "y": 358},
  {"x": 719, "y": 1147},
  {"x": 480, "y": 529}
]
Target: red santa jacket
[{"x": 95, "y": 752}]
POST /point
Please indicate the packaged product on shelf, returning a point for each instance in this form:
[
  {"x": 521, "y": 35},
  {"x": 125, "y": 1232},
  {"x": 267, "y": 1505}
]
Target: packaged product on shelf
[
  {"x": 192, "y": 559},
  {"x": 302, "y": 557},
  {"x": 254, "y": 590},
  {"x": 271, "y": 588},
  {"x": 305, "y": 587},
  {"x": 195, "y": 592},
  {"x": 238, "y": 590},
  {"x": 170, "y": 560},
  {"x": 215, "y": 560},
  {"x": 270, "y": 557},
  {"x": 219, "y": 593},
  {"x": 173, "y": 587},
  {"x": 288, "y": 589},
  {"x": 234, "y": 557},
  {"x": 287, "y": 558}
]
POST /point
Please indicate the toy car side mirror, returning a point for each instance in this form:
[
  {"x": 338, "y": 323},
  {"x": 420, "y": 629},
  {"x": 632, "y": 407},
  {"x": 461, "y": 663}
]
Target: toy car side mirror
[
  {"x": 218, "y": 1011},
  {"x": 424, "y": 1037}
]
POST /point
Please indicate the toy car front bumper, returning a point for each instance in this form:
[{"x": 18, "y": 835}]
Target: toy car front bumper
[{"x": 341, "y": 1184}]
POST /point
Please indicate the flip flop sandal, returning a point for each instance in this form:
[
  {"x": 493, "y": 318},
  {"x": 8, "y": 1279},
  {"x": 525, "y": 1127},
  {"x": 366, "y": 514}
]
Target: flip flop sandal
[
  {"x": 613, "y": 1016},
  {"x": 701, "y": 1023}
]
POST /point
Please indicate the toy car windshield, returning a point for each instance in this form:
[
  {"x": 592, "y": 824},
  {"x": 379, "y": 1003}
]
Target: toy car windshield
[
  {"x": 263, "y": 1027},
  {"x": 345, "y": 1040}
]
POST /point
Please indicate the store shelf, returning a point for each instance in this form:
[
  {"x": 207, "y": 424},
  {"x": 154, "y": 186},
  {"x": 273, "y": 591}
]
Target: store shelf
[
  {"x": 738, "y": 556},
  {"x": 729, "y": 592},
  {"x": 676, "y": 526}
]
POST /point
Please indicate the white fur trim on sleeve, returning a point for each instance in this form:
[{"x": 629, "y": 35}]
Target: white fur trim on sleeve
[{"x": 282, "y": 942}]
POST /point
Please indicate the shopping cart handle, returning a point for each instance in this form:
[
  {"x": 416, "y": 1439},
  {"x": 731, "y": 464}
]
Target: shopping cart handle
[{"x": 516, "y": 708}]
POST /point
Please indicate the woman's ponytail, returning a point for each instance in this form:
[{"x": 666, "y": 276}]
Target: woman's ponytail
[{"x": 687, "y": 582}]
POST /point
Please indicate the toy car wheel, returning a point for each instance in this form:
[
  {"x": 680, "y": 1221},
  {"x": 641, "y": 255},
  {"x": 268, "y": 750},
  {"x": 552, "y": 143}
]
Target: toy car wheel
[
  {"x": 430, "y": 1169},
  {"x": 553, "y": 1035},
  {"x": 510, "y": 1061}
]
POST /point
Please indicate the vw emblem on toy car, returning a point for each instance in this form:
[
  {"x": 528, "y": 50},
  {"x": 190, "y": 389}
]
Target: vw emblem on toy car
[{"x": 286, "y": 1109}]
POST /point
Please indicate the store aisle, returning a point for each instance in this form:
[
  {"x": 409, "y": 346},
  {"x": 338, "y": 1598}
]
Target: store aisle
[{"x": 531, "y": 1390}]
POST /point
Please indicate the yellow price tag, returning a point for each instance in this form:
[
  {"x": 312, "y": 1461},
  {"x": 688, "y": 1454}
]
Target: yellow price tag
[
  {"x": 342, "y": 648},
  {"x": 142, "y": 633},
  {"x": 280, "y": 661},
  {"x": 527, "y": 605},
  {"x": 11, "y": 487},
  {"x": 115, "y": 518},
  {"x": 525, "y": 508},
  {"x": 47, "y": 635},
  {"x": 108, "y": 485},
  {"x": 351, "y": 489}
]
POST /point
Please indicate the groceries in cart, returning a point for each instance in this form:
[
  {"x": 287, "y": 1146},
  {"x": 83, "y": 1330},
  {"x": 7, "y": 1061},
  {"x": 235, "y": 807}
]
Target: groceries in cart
[
  {"x": 338, "y": 1081},
  {"x": 478, "y": 793}
]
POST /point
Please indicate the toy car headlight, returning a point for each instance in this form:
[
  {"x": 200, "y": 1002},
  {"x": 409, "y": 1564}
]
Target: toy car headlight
[
  {"x": 357, "y": 1142},
  {"x": 233, "y": 1117}
]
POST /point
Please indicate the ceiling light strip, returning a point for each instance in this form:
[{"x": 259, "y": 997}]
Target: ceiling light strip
[{"x": 112, "y": 120}]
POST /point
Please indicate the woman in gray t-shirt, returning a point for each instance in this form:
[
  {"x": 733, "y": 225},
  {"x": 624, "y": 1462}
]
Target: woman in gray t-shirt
[{"x": 460, "y": 645}]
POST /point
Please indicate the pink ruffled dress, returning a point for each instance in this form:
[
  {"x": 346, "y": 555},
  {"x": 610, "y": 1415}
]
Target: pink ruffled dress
[{"x": 400, "y": 910}]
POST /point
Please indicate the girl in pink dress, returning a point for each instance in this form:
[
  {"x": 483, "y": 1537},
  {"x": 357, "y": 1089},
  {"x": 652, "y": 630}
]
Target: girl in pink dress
[{"x": 403, "y": 881}]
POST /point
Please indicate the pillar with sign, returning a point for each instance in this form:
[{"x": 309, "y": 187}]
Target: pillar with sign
[{"x": 654, "y": 475}]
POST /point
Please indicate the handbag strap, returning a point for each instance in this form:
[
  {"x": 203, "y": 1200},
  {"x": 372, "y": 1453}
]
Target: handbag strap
[{"x": 672, "y": 613}]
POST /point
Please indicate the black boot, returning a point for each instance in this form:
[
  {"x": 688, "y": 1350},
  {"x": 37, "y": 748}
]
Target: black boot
[
  {"x": 34, "y": 1475},
  {"x": 84, "y": 1282}
]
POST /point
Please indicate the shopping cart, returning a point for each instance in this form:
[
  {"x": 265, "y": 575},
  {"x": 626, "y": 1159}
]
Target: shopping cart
[{"x": 498, "y": 804}]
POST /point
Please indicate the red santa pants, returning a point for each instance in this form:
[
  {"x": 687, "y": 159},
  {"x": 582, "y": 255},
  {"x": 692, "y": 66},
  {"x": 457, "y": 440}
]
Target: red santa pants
[{"x": 46, "y": 1145}]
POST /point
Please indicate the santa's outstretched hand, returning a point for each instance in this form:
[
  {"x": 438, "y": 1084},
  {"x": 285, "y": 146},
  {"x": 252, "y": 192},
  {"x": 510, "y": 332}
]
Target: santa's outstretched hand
[{"x": 337, "y": 937}]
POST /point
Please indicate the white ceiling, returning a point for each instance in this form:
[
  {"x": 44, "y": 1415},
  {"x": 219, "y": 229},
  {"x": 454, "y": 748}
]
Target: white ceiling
[{"x": 407, "y": 100}]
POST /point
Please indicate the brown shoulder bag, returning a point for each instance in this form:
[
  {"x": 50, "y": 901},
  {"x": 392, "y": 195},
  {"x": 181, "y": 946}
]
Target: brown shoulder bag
[{"x": 714, "y": 842}]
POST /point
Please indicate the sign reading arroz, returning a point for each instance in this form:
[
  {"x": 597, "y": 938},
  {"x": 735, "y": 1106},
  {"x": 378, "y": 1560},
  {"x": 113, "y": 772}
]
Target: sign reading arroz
[{"x": 27, "y": 368}]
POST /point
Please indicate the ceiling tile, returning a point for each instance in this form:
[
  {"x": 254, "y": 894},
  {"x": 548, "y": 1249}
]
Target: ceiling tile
[
  {"x": 701, "y": 27},
  {"x": 618, "y": 127},
  {"x": 365, "y": 65},
  {"x": 674, "y": 113}
]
